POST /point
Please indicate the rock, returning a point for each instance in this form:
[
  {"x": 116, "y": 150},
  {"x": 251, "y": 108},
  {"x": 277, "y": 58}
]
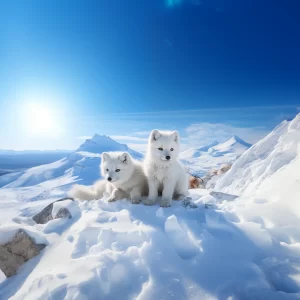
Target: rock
[
  {"x": 45, "y": 215},
  {"x": 15, "y": 253},
  {"x": 194, "y": 182},
  {"x": 223, "y": 196},
  {"x": 187, "y": 203},
  {"x": 224, "y": 168},
  {"x": 63, "y": 213}
]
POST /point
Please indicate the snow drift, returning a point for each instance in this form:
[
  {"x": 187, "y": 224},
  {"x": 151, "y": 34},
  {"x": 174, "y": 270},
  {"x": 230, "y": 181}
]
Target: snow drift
[{"x": 262, "y": 160}]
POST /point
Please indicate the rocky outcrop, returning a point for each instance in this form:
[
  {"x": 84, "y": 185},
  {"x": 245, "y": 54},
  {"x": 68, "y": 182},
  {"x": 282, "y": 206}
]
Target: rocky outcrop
[
  {"x": 16, "y": 252},
  {"x": 45, "y": 215}
]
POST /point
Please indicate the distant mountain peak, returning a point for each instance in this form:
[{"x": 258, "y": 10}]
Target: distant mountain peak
[
  {"x": 103, "y": 143},
  {"x": 236, "y": 139},
  {"x": 234, "y": 143}
]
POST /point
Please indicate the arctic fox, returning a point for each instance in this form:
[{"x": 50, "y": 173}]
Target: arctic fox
[
  {"x": 163, "y": 171},
  {"x": 124, "y": 178}
]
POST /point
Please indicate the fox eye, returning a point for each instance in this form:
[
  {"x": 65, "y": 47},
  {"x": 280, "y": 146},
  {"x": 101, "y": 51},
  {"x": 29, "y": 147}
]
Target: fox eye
[
  {"x": 117, "y": 170},
  {"x": 107, "y": 170},
  {"x": 160, "y": 149},
  {"x": 172, "y": 149}
]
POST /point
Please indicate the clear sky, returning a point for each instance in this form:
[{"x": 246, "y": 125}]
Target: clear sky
[{"x": 207, "y": 68}]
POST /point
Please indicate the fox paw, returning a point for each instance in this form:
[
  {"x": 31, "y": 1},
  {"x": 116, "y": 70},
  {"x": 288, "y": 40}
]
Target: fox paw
[
  {"x": 165, "y": 203},
  {"x": 111, "y": 199},
  {"x": 135, "y": 201}
]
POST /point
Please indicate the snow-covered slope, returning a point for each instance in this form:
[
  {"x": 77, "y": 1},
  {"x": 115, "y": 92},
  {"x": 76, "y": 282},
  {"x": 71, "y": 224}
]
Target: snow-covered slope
[
  {"x": 263, "y": 159},
  {"x": 233, "y": 145},
  {"x": 201, "y": 160},
  {"x": 83, "y": 165},
  {"x": 197, "y": 152}
]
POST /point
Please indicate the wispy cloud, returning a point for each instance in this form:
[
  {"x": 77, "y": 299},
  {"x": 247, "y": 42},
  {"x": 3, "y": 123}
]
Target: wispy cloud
[
  {"x": 142, "y": 133},
  {"x": 253, "y": 110},
  {"x": 84, "y": 137},
  {"x": 204, "y": 133},
  {"x": 138, "y": 147},
  {"x": 128, "y": 138}
]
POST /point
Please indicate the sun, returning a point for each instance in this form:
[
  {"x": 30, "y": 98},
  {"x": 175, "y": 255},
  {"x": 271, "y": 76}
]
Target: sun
[{"x": 40, "y": 119}]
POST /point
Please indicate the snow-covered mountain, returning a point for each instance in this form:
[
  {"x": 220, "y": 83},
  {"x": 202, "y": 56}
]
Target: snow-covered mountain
[
  {"x": 201, "y": 160},
  {"x": 233, "y": 145},
  {"x": 82, "y": 165},
  {"x": 262, "y": 160},
  {"x": 197, "y": 152}
]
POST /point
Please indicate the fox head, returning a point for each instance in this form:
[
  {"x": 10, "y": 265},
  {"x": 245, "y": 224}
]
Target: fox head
[
  {"x": 116, "y": 166},
  {"x": 163, "y": 145}
]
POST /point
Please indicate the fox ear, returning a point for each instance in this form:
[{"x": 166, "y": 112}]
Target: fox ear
[
  {"x": 175, "y": 136},
  {"x": 105, "y": 156},
  {"x": 124, "y": 158},
  {"x": 155, "y": 135}
]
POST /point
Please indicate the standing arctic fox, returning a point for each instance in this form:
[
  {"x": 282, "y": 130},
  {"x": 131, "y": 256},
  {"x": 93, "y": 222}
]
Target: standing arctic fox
[
  {"x": 124, "y": 178},
  {"x": 165, "y": 174}
]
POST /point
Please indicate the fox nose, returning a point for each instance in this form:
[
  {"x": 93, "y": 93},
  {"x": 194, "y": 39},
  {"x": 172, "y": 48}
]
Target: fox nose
[
  {"x": 109, "y": 178},
  {"x": 168, "y": 157}
]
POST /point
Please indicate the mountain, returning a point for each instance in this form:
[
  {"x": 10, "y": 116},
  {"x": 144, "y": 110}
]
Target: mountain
[
  {"x": 262, "y": 160},
  {"x": 14, "y": 161},
  {"x": 102, "y": 143},
  {"x": 81, "y": 165},
  {"x": 197, "y": 152},
  {"x": 232, "y": 145},
  {"x": 201, "y": 160}
]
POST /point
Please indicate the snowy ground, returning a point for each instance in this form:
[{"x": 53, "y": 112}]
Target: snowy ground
[
  {"x": 124, "y": 251},
  {"x": 247, "y": 248}
]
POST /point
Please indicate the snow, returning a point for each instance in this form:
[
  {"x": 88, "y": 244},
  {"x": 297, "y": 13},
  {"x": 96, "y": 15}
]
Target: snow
[
  {"x": 82, "y": 165},
  {"x": 201, "y": 160},
  {"x": 224, "y": 248},
  {"x": 263, "y": 159}
]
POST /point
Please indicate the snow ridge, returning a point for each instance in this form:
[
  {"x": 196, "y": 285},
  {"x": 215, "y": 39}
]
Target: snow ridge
[{"x": 263, "y": 159}]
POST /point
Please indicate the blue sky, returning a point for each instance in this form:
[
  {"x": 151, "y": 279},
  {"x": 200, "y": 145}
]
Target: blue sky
[{"x": 125, "y": 67}]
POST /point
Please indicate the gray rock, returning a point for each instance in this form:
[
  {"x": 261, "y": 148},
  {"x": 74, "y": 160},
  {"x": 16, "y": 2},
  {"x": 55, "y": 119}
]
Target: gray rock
[
  {"x": 63, "y": 213},
  {"x": 15, "y": 253},
  {"x": 223, "y": 196},
  {"x": 45, "y": 215}
]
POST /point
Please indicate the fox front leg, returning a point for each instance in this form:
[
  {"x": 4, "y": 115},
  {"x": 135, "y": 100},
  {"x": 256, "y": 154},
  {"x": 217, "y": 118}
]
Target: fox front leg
[
  {"x": 116, "y": 195},
  {"x": 153, "y": 192},
  {"x": 136, "y": 195}
]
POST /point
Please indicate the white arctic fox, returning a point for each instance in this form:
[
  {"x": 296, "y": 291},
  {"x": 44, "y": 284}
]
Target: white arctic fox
[
  {"x": 124, "y": 178},
  {"x": 164, "y": 172}
]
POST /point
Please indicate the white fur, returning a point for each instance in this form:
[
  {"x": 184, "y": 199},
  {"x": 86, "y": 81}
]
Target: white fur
[
  {"x": 129, "y": 182},
  {"x": 165, "y": 176}
]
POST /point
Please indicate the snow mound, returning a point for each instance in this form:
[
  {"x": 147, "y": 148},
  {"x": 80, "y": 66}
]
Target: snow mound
[
  {"x": 124, "y": 251},
  {"x": 263, "y": 159}
]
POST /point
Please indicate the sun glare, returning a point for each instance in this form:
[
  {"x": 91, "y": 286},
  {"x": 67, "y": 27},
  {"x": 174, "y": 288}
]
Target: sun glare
[{"x": 41, "y": 119}]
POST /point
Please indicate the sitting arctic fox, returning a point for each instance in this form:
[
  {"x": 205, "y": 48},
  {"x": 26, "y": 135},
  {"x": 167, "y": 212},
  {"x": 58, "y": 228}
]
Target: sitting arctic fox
[
  {"x": 124, "y": 178},
  {"x": 163, "y": 171}
]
